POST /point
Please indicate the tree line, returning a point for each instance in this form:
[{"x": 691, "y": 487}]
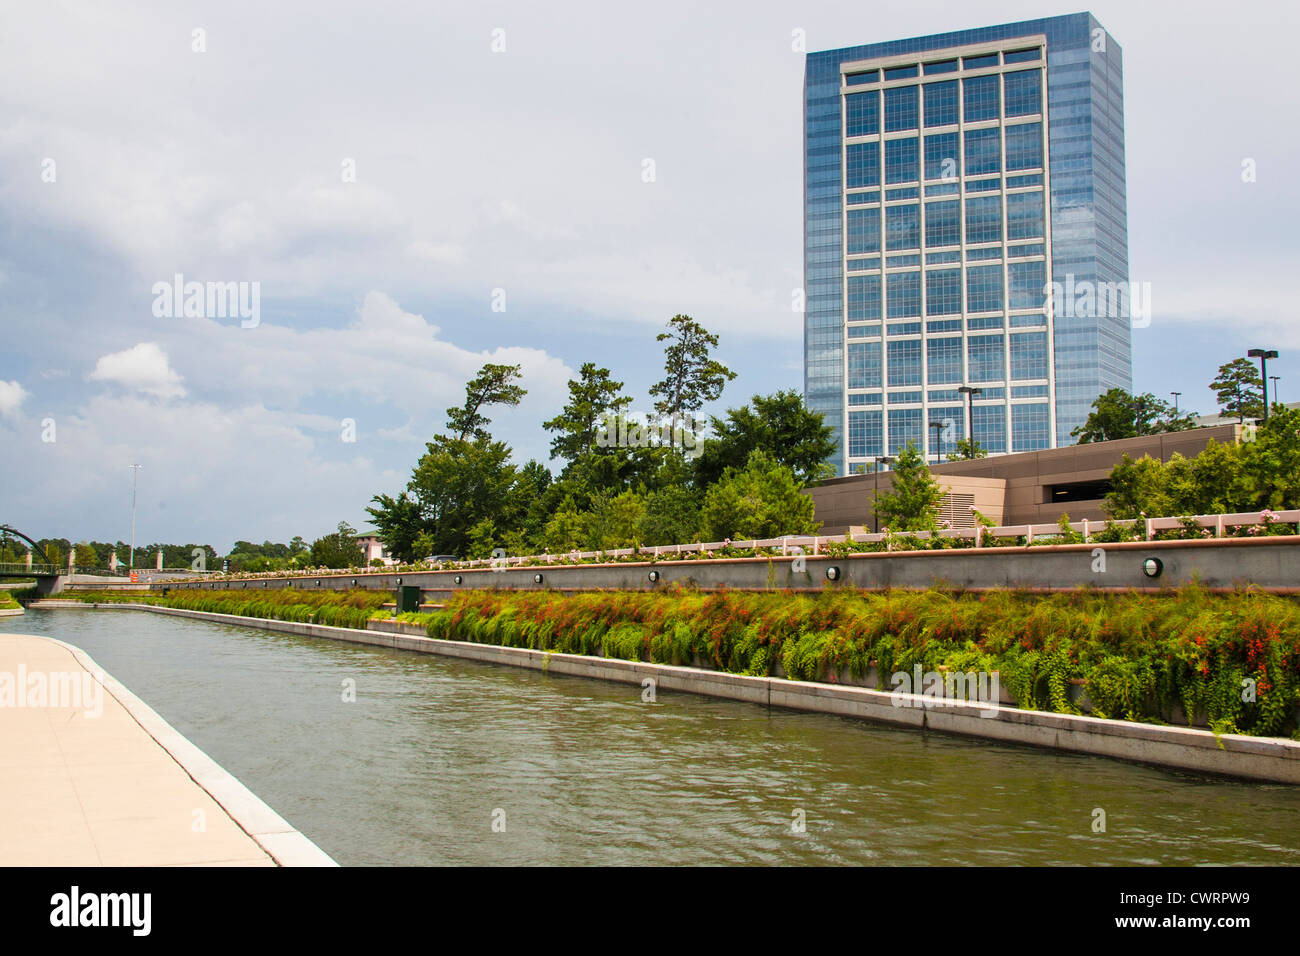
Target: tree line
[{"x": 625, "y": 480}]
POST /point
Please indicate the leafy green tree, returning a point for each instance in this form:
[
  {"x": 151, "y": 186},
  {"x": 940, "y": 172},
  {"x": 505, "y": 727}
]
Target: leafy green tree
[
  {"x": 762, "y": 500},
  {"x": 1117, "y": 414},
  {"x": 566, "y": 530},
  {"x": 337, "y": 550},
  {"x": 1239, "y": 390},
  {"x": 914, "y": 501},
  {"x": 591, "y": 396},
  {"x": 672, "y": 516},
  {"x": 966, "y": 449},
  {"x": 781, "y": 426},
  {"x": 691, "y": 375},
  {"x": 615, "y": 522},
  {"x": 460, "y": 483},
  {"x": 494, "y": 385},
  {"x": 399, "y": 523}
]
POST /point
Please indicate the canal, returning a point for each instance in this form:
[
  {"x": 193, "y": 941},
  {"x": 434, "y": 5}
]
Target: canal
[{"x": 442, "y": 761}]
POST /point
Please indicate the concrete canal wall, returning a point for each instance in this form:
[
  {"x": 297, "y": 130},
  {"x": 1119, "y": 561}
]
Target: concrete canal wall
[{"x": 1271, "y": 563}]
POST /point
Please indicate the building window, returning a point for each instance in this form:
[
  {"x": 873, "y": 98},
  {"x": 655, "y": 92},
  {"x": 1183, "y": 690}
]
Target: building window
[
  {"x": 943, "y": 361},
  {"x": 901, "y": 108},
  {"x": 866, "y": 435},
  {"x": 864, "y": 298},
  {"x": 989, "y": 424},
  {"x": 943, "y": 292},
  {"x": 862, "y": 113},
  {"x": 904, "y": 300},
  {"x": 941, "y": 103},
  {"x": 942, "y": 223},
  {"x": 863, "y": 231},
  {"x": 983, "y": 152},
  {"x": 864, "y": 364},
  {"x": 1028, "y": 356},
  {"x": 980, "y": 98},
  {"x": 903, "y": 227},
  {"x": 902, "y": 162},
  {"x": 985, "y": 359},
  {"x": 905, "y": 428},
  {"x": 1029, "y": 427},
  {"x": 1025, "y": 146},
  {"x": 904, "y": 363},
  {"x": 861, "y": 165},
  {"x": 984, "y": 220},
  {"x": 942, "y": 156},
  {"x": 1025, "y": 216},
  {"x": 984, "y": 289},
  {"x": 1026, "y": 281},
  {"x": 1024, "y": 93}
]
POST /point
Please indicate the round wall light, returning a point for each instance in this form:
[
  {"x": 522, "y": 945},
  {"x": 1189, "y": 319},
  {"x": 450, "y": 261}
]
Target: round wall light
[
  {"x": 354, "y": 582},
  {"x": 457, "y": 579},
  {"x": 653, "y": 576},
  {"x": 318, "y": 582},
  {"x": 833, "y": 573},
  {"x": 1152, "y": 567},
  {"x": 537, "y": 578}
]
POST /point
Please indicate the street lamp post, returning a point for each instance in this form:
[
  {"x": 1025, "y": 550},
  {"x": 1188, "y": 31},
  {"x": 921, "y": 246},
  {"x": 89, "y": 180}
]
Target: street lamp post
[
  {"x": 970, "y": 392},
  {"x": 938, "y": 440},
  {"x": 881, "y": 460},
  {"x": 1273, "y": 379},
  {"x": 1141, "y": 407},
  {"x": 130, "y": 560},
  {"x": 1263, "y": 355},
  {"x": 1175, "y": 395}
]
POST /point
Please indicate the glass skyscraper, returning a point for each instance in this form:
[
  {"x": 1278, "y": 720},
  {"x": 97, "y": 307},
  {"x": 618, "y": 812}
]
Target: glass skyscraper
[{"x": 951, "y": 182}]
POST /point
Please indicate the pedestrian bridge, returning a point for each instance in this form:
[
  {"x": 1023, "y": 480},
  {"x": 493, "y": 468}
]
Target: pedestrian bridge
[{"x": 49, "y": 578}]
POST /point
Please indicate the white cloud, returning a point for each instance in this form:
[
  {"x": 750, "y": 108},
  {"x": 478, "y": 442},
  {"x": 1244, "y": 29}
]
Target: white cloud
[
  {"x": 142, "y": 368},
  {"x": 11, "y": 398}
]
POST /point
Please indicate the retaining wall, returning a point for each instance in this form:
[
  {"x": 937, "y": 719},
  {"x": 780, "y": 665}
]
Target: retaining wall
[{"x": 1257, "y": 758}]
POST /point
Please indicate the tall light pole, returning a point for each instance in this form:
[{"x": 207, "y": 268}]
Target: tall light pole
[
  {"x": 1175, "y": 395},
  {"x": 130, "y": 561},
  {"x": 1274, "y": 379},
  {"x": 970, "y": 392},
  {"x": 938, "y": 440},
  {"x": 881, "y": 460},
  {"x": 1263, "y": 355}
]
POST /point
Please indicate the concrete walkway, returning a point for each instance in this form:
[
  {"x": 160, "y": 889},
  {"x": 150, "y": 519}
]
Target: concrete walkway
[{"x": 91, "y": 776}]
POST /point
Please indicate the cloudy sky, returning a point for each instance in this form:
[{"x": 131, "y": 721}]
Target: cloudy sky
[{"x": 419, "y": 188}]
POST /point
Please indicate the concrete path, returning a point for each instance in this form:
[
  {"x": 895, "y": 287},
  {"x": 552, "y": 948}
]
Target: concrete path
[{"x": 91, "y": 776}]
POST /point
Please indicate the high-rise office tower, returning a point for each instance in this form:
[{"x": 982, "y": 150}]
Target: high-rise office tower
[{"x": 965, "y": 238}]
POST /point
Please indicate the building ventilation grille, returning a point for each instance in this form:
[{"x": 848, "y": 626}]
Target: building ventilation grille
[{"x": 956, "y": 510}]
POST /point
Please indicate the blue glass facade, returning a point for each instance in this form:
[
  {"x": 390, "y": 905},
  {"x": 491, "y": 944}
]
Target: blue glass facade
[{"x": 941, "y": 201}]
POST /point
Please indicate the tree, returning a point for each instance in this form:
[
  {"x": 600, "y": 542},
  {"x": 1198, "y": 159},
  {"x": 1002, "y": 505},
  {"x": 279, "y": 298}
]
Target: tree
[
  {"x": 337, "y": 550},
  {"x": 913, "y": 503},
  {"x": 761, "y": 500},
  {"x": 492, "y": 386},
  {"x": 460, "y": 483},
  {"x": 1117, "y": 414},
  {"x": 781, "y": 426},
  {"x": 86, "y": 556},
  {"x": 591, "y": 396},
  {"x": 672, "y": 516},
  {"x": 399, "y": 523},
  {"x": 691, "y": 376},
  {"x": 1239, "y": 390},
  {"x": 967, "y": 448}
]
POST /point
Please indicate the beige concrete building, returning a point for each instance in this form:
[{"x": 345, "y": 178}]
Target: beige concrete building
[{"x": 1030, "y": 488}]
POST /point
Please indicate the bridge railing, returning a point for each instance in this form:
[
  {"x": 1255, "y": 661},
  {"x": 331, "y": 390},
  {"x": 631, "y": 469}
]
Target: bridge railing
[{"x": 12, "y": 569}]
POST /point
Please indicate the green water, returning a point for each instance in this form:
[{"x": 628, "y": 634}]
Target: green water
[{"x": 433, "y": 751}]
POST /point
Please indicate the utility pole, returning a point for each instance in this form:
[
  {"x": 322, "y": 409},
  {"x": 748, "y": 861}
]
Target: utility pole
[{"x": 130, "y": 561}]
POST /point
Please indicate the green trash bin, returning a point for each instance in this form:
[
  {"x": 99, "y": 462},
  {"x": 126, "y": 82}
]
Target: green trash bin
[{"x": 408, "y": 598}]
